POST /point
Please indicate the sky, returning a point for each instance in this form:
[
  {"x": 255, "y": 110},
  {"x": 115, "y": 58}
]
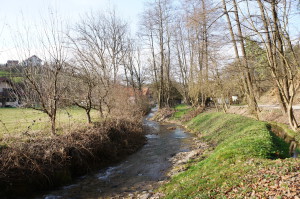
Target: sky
[{"x": 16, "y": 13}]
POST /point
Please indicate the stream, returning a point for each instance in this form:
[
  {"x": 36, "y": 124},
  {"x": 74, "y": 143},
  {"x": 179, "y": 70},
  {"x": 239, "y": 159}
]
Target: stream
[{"x": 139, "y": 172}]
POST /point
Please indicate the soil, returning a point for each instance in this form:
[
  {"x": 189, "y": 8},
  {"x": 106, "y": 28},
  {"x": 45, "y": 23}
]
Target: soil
[
  {"x": 270, "y": 97},
  {"x": 266, "y": 114}
]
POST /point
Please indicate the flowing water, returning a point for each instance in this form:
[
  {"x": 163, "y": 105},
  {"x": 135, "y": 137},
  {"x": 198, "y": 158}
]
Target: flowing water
[{"x": 137, "y": 172}]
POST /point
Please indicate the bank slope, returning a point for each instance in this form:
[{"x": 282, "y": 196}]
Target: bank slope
[{"x": 239, "y": 146}]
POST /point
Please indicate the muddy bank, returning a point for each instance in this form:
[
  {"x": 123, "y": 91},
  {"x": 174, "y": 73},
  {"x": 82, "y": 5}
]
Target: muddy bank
[{"x": 41, "y": 164}]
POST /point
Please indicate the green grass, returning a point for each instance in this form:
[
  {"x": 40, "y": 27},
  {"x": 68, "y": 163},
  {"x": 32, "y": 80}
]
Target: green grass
[
  {"x": 3, "y": 73},
  {"x": 18, "y": 120},
  {"x": 181, "y": 110},
  {"x": 15, "y": 77},
  {"x": 238, "y": 140}
]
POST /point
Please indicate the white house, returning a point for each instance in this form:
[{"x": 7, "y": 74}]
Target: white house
[
  {"x": 7, "y": 95},
  {"x": 33, "y": 61}
]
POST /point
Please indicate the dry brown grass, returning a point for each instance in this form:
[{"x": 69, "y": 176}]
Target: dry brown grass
[
  {"x": 45, "y": 162},
  {"x": 266, "y": 114}
]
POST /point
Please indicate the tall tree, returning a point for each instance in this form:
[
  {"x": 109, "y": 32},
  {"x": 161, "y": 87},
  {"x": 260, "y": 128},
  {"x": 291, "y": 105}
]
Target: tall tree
[
  {"x": 243, "y": 60},
  {"x": 99, "y": 42},
  {"x": 156, "y": 24}
]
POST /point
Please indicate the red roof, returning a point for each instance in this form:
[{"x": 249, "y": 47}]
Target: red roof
[
  {"x": 145, "y": 91},
  {"x": 132, "y": 92}
]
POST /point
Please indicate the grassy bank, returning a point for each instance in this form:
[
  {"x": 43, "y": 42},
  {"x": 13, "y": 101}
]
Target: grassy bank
[
  {"x": 241, "y": 147},
  {"x": 181, "y": 110}
]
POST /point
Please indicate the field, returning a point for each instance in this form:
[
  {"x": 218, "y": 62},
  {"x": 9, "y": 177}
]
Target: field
[
  {"x": 15, "y": 77},
  {"x": 3, "y": 73},
  {"x": 22, "y": 120}
]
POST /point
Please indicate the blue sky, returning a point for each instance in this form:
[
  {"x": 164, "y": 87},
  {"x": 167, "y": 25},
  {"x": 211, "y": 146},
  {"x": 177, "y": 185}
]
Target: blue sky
[{"x": 12, "y": 13}]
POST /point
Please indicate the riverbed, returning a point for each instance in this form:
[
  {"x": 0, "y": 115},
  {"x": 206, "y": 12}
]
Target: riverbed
[{"x": 140, "y": 173}]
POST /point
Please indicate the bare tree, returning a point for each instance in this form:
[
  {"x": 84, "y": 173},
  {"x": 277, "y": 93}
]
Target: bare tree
[
  {"x": 243, "y": 61},
  {"x": 44, "y": 83},
  {"x": 157, "y": 21},
  {"x": 133, "y": 70},
  {"x": 81, "y": 87},
  {"x": 282, "y": 61},
  {"x": 99, "y": 40}
]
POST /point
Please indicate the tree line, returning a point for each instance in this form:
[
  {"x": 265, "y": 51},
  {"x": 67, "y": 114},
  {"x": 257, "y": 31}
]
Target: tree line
[
  {"x": 202, "y": 49},
  {"x": 188, "y": 41}
]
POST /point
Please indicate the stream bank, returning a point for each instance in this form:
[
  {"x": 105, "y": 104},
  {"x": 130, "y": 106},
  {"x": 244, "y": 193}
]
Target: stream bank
[
  {"x": 45, "y": 163},
  {"x": 242, "y": 151},
  {"x": 138, "y": 175}
]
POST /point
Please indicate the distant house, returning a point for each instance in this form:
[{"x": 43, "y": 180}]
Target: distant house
[
  {"x": 234, "y": 98},
  {"x": 12, "y": 63},
  {"x": 133, "y": 93},
  {"x": 33, "y": 61},
  {"x": 146, "y": 92},
  {"x": 8, "y": 96}
]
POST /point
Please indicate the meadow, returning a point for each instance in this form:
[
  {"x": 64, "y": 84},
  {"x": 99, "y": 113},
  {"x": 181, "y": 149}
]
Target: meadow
[
  {"x": 15, "y": 77},
  {"x": 26, "y": 120}
]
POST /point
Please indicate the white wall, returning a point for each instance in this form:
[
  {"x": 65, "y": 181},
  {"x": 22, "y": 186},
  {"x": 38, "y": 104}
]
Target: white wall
[{"x": 4, "y": 85}]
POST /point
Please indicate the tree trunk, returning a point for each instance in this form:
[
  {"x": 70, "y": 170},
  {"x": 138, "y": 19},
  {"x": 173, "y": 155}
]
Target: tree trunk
[
  {"x": 250, "y": 91},
  {"x": 53, "y": 124},
  {"x": 292, "y": 120},
  {"x": 88, "y": 114}
]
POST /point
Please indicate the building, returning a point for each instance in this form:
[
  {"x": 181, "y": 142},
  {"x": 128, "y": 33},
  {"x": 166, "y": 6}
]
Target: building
[
  {"x": 146, "y": 92},
  {"x": 33, "y": 61},
  {"x": 8, "y": 97},
  {"x": 134, "y": 93},
  {"x": 12, "y": 63}
]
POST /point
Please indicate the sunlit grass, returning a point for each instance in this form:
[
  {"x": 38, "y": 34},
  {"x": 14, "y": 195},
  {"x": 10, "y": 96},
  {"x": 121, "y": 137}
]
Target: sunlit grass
[
  {"x": 181, "y": 110},
  {"x": 15, "y": 77},
  {"x": 240, "y": 145},
  {"x": 20, "y": 120}
]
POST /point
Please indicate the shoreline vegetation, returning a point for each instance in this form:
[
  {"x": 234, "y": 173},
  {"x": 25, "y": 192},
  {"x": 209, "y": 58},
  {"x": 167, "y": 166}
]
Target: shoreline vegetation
[
  {"x": 244, "y": 159},
  {"x": 29, "y": 165}
]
